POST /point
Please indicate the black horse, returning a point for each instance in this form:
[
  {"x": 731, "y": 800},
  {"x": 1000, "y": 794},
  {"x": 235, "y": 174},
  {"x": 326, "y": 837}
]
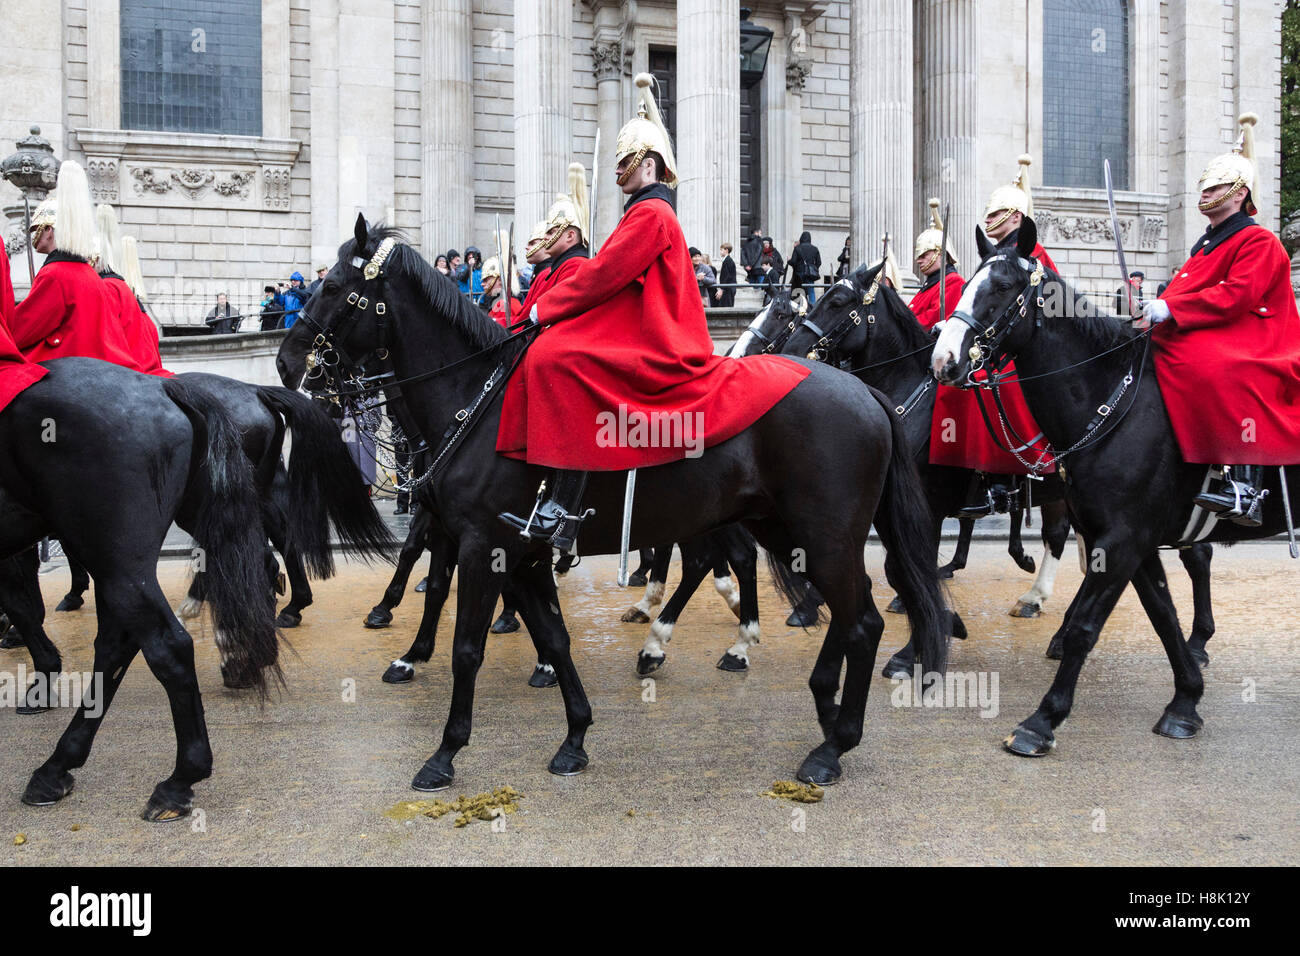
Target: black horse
[
  {"x": 383, "y": 311},
  {"x": 104, "y": 459},
  {"x": 1090, "y": 383}
]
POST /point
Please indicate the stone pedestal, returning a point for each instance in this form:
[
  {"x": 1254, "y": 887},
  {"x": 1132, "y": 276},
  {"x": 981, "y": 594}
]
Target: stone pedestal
[
  {"x": 708, "y": 121},
  {"x": 880, "y": 122},
  {"x": 950, "y": 123},
  {"x": 543, "y": 93},
  {"x": 447, "y": 121}
]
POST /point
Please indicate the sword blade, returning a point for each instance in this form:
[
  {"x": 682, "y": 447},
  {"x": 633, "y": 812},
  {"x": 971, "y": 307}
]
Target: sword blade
[
  {"x": 1286, "y": 506},
  {"x": 628, "y": 494},
  {"x": 508, "y": 269},
  {"x": 591, "y": 199},
  {"x": 1119, "y": 243},
  {"x": 943, "y": 265},
  {"x": 27, "y": 221}
]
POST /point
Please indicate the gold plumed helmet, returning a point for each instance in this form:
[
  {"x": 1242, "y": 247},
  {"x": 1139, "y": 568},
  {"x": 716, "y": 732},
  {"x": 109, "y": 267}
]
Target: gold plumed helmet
[
  {"x": 646, "y": 134},
  {"x": 1014, "y": 197},
  {"x": 74, "y": 216},
  {"x": 492, "y": 267},
  {"x": 110, "y": 240},
  {"x": 569, "y": 210},
  {"x": 890, "y": 270},
  {"x": 930, "y": 239},
  {"x": 44, "y": 214},
  {"x": 535, "y": 238},
  {"x": 1235, "y": 169}
]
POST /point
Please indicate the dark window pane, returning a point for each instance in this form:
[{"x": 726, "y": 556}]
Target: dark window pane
[
  {"x": 1085, "y": 92},
  {"x": 192, "y": 66}
]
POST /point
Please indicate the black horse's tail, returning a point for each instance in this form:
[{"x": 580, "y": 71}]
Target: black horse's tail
[
  {"x": 325, "y": 488},
  {"x": 903, "y": 523},
  {"x": 228, "y": 527}
]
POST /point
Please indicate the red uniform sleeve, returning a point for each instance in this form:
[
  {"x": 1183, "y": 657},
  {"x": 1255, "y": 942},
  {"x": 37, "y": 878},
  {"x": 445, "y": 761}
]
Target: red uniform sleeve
[
  {"x": 1252, "y": 273},
  {"x": 640, "y": 239},
  {"x": 39, "y": 315},
  {"x": 1041, "y": 255}
]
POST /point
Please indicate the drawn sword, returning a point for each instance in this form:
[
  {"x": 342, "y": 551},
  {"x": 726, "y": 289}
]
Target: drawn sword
[{"x": 1119, "y": 244}]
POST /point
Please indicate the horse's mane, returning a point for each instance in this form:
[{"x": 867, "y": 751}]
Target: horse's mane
[
  {"x": 1099, "y": 328},
  {"x": 443, "y": 295}
]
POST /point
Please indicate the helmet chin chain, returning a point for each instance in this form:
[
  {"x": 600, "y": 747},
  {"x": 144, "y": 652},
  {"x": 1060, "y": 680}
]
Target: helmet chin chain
[
  {"x": 1216, "y": 203},
  {"x": 634, "y": 165}
]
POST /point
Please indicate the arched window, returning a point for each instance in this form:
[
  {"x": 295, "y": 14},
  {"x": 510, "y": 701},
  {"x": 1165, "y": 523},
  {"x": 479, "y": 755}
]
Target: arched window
[
  {"x": 192, "y": 66},
  {"x": 1085, "y": 92}
]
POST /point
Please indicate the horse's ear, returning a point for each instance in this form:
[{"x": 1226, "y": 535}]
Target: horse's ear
[
  {"x": 360, "y": 232},
  {"x": 1027, "y": 238},
  {"x": 982, "y": 244}
]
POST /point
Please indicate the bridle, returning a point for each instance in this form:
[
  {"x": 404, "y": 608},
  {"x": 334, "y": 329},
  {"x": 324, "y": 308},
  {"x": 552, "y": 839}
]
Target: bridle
[
  {"x": 828, "y": 341},
  {"x": 773, "y": 344},
  {"x": 329, "y": 359},
  {"x": 986, "y": 349}
]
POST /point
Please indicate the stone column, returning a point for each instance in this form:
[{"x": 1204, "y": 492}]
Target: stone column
[
  {"x": 880, "y": 123},
  {"x": 708, "y": 121},
  {"x": 788, "y": 67},
  {"x": 950, "y": 78},
  {"x": 607, "y": 52},
  {"x": 543, "y": 91},
  {"x": 447, "y": 127}
]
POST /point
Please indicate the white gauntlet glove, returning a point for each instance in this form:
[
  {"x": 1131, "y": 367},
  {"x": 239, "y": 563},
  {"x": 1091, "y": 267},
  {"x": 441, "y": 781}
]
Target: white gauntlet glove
[
  {"x": 532, "y": 316},
  {"x": 1153, "y": 313}
]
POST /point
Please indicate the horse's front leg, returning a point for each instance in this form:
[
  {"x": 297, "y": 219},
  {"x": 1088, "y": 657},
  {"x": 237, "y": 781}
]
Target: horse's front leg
[
  {"x": 1196, "y": 560},
  {"x": 1180, "y": 719},
  {"x": 442, "y": 561},
  {"x": 476, "y": 598},
  {"x": 1056, "y": 531}
]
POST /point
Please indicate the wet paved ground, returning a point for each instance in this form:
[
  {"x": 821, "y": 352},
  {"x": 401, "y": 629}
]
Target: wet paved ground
[{"x": 308, "y": 779}]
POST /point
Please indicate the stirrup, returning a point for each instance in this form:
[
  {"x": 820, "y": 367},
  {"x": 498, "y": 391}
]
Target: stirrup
[{"x": 566, "y": 531}]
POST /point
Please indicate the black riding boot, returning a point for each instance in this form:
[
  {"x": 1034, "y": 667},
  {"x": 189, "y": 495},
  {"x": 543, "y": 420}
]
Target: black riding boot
[
  {"x": 979, "y": 501},
  {"x": 1239, "y": 497},
  {"x": 557, "y": 518}
]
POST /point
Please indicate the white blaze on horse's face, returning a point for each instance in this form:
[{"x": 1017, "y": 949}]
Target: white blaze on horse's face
[
  {"x": 741, "y": 348},
  {"x": 951, "y": 345}
]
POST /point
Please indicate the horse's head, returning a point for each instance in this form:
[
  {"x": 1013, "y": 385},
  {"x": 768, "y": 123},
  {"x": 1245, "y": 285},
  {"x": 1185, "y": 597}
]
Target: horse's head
[
  {"x": 295, "y": 358},
  {"x": 847, "y": 322},
  {"x": 990, "y": 323},
  {"x": 773, "y": 325}
]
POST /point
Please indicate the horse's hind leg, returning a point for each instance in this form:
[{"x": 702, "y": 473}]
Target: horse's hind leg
[
  {"x": 696, "y": 563},
  {"x": 1196, "y": 560},
  {"x": 300, "y": 595},
  {"x": 21, "y": 589},
  {"x": 1056, "y": 531},
  {"x": 1180, "y": 719},
  {"x": 75, "y": 597},
  {"x": 534, "y": 588},
  {"x": 639, "y": 613},
  {"x": 965, "y": 528},
  {"x": 1015, "y": 546}
]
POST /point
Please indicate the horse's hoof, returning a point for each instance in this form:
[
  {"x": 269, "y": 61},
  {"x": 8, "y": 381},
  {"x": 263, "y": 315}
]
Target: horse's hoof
[
  {"x": 1024, "y": 742},
  {"x": 896, "y": 606},
  {"x": 898, "y": 668},
  {"x": 1177, "y": 726},
  {"x": 70, "y": 602},
  {"x": 730, "y": 662},
  {"x": 399, "y": 672},
  {"x": 433, "y": 778},
  {"x": 422, "y": 586},
  {"x": 543, "y": 676},
  {"x": 1198, "y": 654},
  {"x": 378, "y": 617},
  {"x": 163, "y": 808},
  {"x": 802, "y": 617},
  {"x": 12, "y": 639},
  {"x": 1055, "y": 648},
  {"x": 634, "y": 615},
  {"x": 648, "y": 663},
  {"x": 288, "y": 618},
  {"x": 819, "y": 768},
  {"x": 569, "y": 761},
  {"x": 636, "y": 580},
  {"x": 1025, "y": 609},
  {"x": 1027, "y": 564},
  {"x": 281, "y": 584},
  {"x": 31, "y": 706},
  {"x": 958, "y": 627},
  {"x": 41, "y": 792},
  {"x": 505, "y": 625},
  {"x": 946, "y": 572},
  {"x": 190, "y": 608}
]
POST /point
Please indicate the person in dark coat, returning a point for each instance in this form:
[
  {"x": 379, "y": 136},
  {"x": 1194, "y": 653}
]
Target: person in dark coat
[
  {"x": 724, "y": 295},
  {"x": 224, "y": 319},
  {"x": 771, "y": 267},
  {"x": 750, "y": 250},
  {"x": 805, "y": 266},
  {"x": 1135, "y": 280},
  {"x": 272, "y": 314},
  {"x": 845, "y": 256}
]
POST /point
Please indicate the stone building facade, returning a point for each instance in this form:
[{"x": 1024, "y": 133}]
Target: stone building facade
[{"x": 441, "y": 115}]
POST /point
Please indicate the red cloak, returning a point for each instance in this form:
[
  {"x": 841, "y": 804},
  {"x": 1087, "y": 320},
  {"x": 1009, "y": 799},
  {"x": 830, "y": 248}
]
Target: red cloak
[
  {"x": 623, "y": 375},
  {"x": 925, "y": 304},
  {"x": 1228, "y": 361},
  {"x": 70, "y": 311},
  {"x": 140, "y": 333},
  {"x": 959, "y": 436},
  {"x": 16, "y": 373}
]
